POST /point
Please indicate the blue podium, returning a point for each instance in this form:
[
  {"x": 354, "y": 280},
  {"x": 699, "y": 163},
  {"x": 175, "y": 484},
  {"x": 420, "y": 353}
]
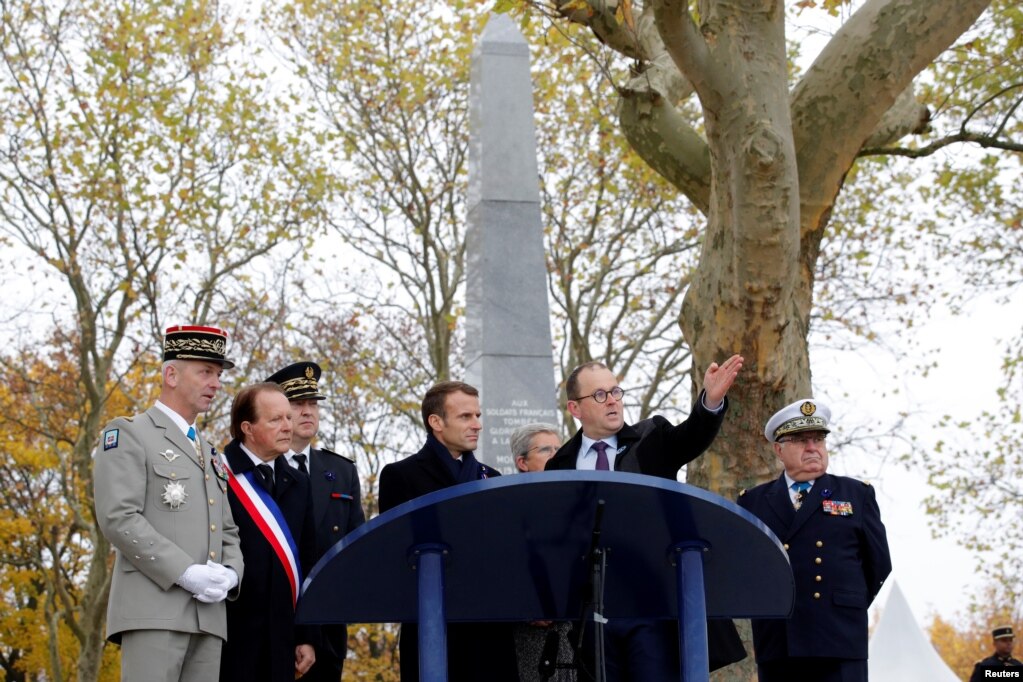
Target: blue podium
[{"x": 671, "y": 550}]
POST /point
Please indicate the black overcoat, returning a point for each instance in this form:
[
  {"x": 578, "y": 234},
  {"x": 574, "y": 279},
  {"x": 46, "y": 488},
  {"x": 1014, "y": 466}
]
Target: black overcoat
[
  {"x": 337, "y": 511},
  {"x": 261, "y": 632},
  {"x": 656, "y": 447},
  {"x": 477, "y": 652}
]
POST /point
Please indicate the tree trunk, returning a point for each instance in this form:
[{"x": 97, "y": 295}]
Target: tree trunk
[
  {"x": 94, "y": 610},
  {"x": 741, "y": 298}
]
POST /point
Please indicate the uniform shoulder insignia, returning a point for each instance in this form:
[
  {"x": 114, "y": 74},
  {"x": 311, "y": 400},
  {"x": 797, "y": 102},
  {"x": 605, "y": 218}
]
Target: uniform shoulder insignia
[
  {"x": 866, "y": 483},
  {"x": 742, "y": 492},
  {"x": 110, "y": 438},
  {"x": 331, "y": 452}
]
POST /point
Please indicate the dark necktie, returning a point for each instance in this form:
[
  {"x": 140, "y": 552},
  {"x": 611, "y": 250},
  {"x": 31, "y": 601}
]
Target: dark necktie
[
  {"x": 801, "y": 488},
  {"x": 601, "y": 448},
  {"x": 300, "y": 458},
  {"x": 266, "y": 477}
]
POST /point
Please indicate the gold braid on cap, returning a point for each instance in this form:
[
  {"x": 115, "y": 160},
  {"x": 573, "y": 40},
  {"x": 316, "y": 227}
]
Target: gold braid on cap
[
  {"x": 801, "y": 424},
  {"x": 195, "y": 345},
  {"x": 298, "y": 384}
]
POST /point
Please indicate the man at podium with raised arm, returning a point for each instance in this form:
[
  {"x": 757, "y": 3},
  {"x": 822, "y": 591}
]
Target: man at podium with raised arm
[{"x": 639, "y": 650}]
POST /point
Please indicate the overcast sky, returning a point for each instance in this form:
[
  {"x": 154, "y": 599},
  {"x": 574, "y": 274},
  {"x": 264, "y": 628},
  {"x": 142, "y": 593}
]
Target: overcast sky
[{"x": 935, "y": 575}]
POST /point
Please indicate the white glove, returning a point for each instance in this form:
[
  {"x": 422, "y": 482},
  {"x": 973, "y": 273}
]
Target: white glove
[
  {"x": 197, "y": 578},
  {"x": 227, "y": 573},
  {"x": 211, "y": 595},
  {"x": 208, "y": 584},
  {"x": 223, "y": 581}
]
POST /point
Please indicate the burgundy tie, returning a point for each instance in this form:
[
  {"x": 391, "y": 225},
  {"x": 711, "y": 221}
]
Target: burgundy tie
[{"x": 601, "y": 448}]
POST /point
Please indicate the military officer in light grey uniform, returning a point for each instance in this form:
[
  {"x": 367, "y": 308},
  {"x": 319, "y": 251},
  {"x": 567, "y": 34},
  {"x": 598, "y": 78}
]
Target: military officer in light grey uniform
[{"x": 161, "y": 502}]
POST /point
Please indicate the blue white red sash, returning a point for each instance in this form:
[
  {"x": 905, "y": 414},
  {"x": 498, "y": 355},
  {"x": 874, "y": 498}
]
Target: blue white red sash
[{"x": 271, "y": 523}]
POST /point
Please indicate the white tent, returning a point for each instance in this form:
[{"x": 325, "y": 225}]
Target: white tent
[{"x": 899, "y": 650}]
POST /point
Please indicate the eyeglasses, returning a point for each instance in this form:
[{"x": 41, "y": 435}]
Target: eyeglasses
[
  {"x": 805, "y": 438},
  {"x": 544, "y": 449},
  {"x": 600, "y": 395}
]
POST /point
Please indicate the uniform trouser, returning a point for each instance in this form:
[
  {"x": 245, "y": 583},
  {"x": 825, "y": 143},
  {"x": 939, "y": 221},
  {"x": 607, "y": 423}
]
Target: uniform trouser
[
  {"x": 169, "y": 656},
  {"x": 816, "y": 669}
]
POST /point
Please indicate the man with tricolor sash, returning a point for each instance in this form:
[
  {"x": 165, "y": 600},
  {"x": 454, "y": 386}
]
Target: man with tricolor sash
[{"x": 273, "y": 509}]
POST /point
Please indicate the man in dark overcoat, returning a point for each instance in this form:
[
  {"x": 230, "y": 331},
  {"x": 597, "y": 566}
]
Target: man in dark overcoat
[
  {"x": 477, "y": 652},
  {"x": 273, "y": 509},
  {"x": 335, "y": 489},
  {"x": 831, "y": 528},
  {"x": 638, "y": 650}
]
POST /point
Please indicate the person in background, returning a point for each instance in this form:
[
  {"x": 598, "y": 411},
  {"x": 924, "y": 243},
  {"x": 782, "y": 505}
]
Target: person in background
[
  {"x": 533, "y": 444},
  {"x": 999, "y": 662},
  {"x": 335, "y": 489},
  {"x": 541, "y": 645}
]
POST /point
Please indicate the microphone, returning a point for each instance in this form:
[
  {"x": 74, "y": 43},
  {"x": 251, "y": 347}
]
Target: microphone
[{"x": 549, "y": 657}]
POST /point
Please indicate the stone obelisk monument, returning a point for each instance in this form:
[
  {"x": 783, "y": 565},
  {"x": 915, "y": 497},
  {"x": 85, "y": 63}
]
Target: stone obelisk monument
[{"x": 508, "y": 337}]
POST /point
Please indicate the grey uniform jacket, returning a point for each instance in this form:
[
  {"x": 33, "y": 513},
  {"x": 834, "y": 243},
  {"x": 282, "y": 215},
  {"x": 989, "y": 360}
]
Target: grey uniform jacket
[{"x": 141, "y": 468}]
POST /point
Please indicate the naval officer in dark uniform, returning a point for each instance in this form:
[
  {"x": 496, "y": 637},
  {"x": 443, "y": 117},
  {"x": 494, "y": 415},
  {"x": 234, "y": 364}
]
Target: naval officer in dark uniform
[
  {"x": 336, "y": 493},
  {"x": 1001, "y": 661},
  {"x": 831, "y": 528}
]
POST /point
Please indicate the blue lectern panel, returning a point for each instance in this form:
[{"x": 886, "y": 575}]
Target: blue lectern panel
[{"x": 518, "y": 545}]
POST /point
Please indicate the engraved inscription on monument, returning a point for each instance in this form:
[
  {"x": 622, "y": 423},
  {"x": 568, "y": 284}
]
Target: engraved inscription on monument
[
  {"x": 508, "y": 337},
  {"x": 502, "y": 422}
]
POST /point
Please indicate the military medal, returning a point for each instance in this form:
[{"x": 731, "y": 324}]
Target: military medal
[
  {"x": 169, "y": 455},
  {"x": 174, "y": 494},
  {"x": 218, "y": 467},
  {"x": 836, "y": 508}
]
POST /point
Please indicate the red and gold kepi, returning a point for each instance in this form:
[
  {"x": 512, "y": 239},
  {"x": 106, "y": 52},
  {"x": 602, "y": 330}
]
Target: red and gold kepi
[
  {"x": 189, "y": 342},
  {"x": 300, "y": 381}
]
